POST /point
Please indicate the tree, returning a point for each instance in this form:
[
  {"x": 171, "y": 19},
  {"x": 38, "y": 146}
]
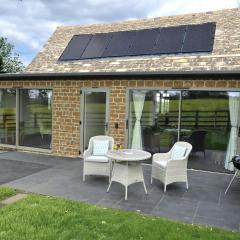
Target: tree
[{"x": 9, "y": 59}]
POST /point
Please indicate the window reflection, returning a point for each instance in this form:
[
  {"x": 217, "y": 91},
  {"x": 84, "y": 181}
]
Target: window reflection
[
  {"x": 209, "y": 120},
  {"x": 35, "y": 114},
  {"x": 8, "y": 116},
  {"x": 158, "y": 119}
]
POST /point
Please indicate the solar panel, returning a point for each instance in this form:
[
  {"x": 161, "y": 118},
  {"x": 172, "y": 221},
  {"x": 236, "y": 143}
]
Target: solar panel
[
  {"x": 119, "y": 44},
  {"x": 144, "y": 41},
  {"x": 199, "y": 38},
  {"x": 96, "y": 46},
  {"x": 75, "y": 47},
  {"x": 169, "y": 40}
]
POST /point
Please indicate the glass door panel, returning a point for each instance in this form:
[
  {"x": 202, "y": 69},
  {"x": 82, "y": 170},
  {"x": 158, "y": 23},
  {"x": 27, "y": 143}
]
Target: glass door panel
[
  {"x": 206, "y": 114},
  {"x": 35, "y": 118},
  {"x": 159, "y": 119},
  {"x": 8, "y": 116},
  {"x": 95, "y": 115},
  {"x": 168, "y": 117}
]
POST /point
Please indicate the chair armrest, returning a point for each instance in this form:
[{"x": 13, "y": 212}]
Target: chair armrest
[
  {"x": 87, "y": 153},
  {"x": 161, "y": 156},
  {"x": 177, "y": 163}
]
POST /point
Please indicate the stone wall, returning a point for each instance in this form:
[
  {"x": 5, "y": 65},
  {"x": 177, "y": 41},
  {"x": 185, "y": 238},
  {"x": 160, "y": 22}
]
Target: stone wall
[{"x": 66, "y": 104}]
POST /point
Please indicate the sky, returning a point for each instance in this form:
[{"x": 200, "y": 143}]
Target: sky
[{"x": 28, "y": 24}]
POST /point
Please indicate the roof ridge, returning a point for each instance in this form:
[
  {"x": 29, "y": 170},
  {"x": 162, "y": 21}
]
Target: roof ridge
[{"x": 150, "y": 19}]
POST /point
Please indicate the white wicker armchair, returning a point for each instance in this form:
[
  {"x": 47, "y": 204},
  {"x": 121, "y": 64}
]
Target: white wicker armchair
[
  {"x": 97, "y": 165},
  {"x": 167, "y": 170}
]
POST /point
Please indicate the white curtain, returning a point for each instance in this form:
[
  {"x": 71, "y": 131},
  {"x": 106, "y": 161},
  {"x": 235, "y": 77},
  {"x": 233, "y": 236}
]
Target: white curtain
[
  {"x": 234, "y": 108},
  {"x": 138, "y": 103}
]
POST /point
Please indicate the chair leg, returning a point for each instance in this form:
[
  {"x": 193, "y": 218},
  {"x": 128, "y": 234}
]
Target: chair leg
[
  {"x": 109, "y": 186},
  {"x": 152, "y": 176},
  {"x": 126, "y": 188},
  {"x": 165, "y": 187},
  {"x": 83, "y": 177},
  {"x": 187, "y": 184}
]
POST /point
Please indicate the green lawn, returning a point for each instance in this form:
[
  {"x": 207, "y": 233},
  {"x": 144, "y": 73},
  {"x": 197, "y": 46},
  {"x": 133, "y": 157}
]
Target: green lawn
[
  {"x": 6, "y": 192},
  {"x": 41, "y": 217}
]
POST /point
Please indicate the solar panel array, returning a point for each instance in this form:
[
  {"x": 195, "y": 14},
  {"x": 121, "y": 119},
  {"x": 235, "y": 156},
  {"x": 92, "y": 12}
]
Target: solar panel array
[{"x": 154, "y": 41}]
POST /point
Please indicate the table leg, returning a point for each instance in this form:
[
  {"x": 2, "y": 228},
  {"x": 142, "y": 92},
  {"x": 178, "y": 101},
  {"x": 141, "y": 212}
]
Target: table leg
[
  {"x": 126, "y": 183},
  {"x": 111, "y": 174},
  {"x": 144, "y": 186},
  {"x": 126, "y": 189},
  {"x": 127, "y": 174}
]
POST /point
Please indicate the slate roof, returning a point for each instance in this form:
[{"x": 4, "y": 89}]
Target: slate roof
[{"x": 225, "y": 55}]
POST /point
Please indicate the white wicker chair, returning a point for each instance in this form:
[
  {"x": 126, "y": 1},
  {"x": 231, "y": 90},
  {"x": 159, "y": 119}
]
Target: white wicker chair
[
  {"x": 169, "y": 171},
  {"x": 97, "y": 165}
]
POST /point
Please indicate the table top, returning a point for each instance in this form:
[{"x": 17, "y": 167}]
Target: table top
[{"x": 129, "y": 155}]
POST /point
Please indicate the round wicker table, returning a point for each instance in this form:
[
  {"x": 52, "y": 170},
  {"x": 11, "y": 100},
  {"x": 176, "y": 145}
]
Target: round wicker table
[{"x": 127, "y": 167}]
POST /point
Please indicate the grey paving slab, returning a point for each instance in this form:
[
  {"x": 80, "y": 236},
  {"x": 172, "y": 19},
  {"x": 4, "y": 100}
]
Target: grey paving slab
[
  {"x": 222, "y": 216},
  {"x": 38, "y": 158},
  {"x": 203, "y": 193},
  {"x": 175, "y": 208},
  {"x": 232, "y": 197},
  {"x": 216, "y": 180},
  {"x": 11, "y": 170},
  {"x": 217, "y": 223},
  {"x": 204, "y": 202}
]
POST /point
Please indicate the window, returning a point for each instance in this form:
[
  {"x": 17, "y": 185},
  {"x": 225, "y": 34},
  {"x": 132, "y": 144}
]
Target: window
[
  {"x": 159, "y": 118},
  {"x": 34, "y": 112},
  {"x": 8, "y": 116}
]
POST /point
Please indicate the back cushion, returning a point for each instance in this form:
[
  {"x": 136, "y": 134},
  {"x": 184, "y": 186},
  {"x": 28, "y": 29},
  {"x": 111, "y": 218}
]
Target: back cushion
[
  {"x": 178, "y": 152},
  {"x": 100, "y": 147}
]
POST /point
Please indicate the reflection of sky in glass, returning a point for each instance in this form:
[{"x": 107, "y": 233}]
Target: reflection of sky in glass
[
  {"x": 33, "y": 93},
  {"x": 49, "y": 94},
  {"x": 234, "y": 94}
]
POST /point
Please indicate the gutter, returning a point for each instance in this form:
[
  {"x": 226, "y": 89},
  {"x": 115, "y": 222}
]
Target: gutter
[{"x": 121, "y": 75}]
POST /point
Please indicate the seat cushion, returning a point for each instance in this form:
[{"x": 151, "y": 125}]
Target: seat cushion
[
  {"x": 101, "y": 159},
  {"x": 100, "y": 147},
  {"x": 178, "y": 152}
]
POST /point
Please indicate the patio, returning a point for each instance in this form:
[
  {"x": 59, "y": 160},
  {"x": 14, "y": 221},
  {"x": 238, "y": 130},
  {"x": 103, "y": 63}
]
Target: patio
[{"x": 204, "y": 202}]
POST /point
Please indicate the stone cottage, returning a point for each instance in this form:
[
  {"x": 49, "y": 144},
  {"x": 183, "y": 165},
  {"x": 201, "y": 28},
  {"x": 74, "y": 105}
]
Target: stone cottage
[{"x": 147, "y": 83}]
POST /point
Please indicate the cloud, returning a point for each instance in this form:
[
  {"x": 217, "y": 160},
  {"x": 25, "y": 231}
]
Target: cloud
[
  {"x": 183, "y": 6},
  {"x": 29, "y": 23}
]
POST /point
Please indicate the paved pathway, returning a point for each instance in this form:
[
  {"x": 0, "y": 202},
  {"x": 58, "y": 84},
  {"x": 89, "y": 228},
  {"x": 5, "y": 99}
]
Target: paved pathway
[{"x": 204, "y": 202}]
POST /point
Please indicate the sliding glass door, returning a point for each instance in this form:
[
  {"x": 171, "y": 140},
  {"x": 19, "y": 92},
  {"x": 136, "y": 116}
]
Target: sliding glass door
[
  {"x": 26, "y": 117},
  {"x": 153, "y": 119},
  {"x": 94, "y": 114},
  {"x": 209, "y": 120},
  {"x": 207, "y": 115},
  {"x": 35, "y": 118},
  {"x": 8, "y": 116}
]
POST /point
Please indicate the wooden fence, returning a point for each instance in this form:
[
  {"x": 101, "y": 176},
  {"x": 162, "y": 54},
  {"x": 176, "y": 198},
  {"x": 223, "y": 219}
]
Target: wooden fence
[{"x": 190, "y": 119}]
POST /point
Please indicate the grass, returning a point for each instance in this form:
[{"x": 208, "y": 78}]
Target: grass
[
  {"x": 6, "y": 192},
  {"x": 42, "y": 217}
]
